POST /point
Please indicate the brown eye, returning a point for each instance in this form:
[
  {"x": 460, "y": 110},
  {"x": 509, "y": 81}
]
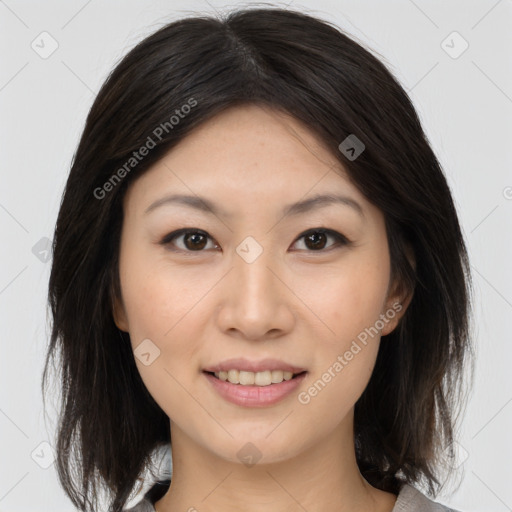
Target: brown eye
[
  {"x": 192, "y": 240},
  {"x": 195, "y": 240},
  {"x": 316, "y": 239}
]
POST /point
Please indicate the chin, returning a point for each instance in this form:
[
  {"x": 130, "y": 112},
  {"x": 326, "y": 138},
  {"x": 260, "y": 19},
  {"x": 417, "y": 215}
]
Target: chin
[{"x": 252, "y": 449}]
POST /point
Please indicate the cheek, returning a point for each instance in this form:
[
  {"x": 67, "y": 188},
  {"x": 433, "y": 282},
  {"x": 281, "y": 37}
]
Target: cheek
[
  {"x": 349, "y": 302},
  {"x": 169, "y": 305},
  {"x": 344, "y": 362},
  {"x": 349, "y": 297},
  {"x": 161, "y": 309},
  {"x": 159, "y": 296}
]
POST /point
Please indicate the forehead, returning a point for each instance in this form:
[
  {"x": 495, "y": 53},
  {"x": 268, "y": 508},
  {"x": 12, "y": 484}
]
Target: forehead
[
  {"x": 257, "y": 135},
  {"x": 247, "y": 155}
]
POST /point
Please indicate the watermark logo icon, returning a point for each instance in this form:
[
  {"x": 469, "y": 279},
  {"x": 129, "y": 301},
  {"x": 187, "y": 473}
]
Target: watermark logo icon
[
  {"x": 352, "y": 147},
  {"x": 454, "y": 45},
  {"x": 249, "y": 454},
  {"x": 42, "y": 249},
  {"x": 249, "y": 249},
  {"x": 44, "y": 45},
  {"x": 456, "y": 456},
  {"x": 43, "y": 455},
  {"x": 146, "y": 352}
]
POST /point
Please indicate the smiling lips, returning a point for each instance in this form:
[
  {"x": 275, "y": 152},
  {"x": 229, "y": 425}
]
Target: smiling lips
[
  {"x": 254, "y": 373},
  {"x": 254, "y": 383}
]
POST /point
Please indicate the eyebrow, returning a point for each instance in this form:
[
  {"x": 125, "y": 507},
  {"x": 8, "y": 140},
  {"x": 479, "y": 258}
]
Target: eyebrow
[{"x": 205, "y": 205}]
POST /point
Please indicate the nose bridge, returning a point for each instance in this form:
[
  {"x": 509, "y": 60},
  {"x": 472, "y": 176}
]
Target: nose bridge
[{"x": 252, "y": 273}]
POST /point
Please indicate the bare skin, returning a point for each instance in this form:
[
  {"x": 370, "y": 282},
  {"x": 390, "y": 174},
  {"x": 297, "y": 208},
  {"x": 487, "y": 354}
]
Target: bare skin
[{"x": 304, "y": 303}]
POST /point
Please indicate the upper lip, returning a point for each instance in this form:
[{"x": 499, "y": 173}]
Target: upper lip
[{"x": 253, "y": 366}]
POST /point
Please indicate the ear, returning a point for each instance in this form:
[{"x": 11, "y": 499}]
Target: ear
[
  {"x": 398, "y": 299},
  {"x": 119, "y": 315},
  {"x": 394, "y": 310}
]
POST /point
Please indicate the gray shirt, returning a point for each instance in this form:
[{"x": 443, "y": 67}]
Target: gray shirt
[{"x": 409, "y": 500}]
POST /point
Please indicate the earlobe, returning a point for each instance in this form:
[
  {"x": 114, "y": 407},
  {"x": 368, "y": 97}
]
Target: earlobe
[
  {"x": 396, "y": 306},
  {"x": 119, "y": 315},
  {"x": 392, "y": 316}
]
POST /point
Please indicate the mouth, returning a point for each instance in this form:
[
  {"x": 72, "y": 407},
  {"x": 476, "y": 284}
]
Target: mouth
[
  {"x": 254, "y": 389},
  {"x": 260, "y": 379}
]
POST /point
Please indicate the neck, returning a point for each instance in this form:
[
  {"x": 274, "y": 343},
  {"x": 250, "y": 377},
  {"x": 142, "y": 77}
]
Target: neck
[{"x": 323, "y": 477}]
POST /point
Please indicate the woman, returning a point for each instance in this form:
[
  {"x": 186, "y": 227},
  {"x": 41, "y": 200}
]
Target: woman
[{"x": 257, "y": 262}]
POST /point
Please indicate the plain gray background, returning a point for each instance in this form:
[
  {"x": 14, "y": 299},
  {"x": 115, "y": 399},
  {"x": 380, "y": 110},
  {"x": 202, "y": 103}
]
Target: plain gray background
[{"x": 465, "y": 102}]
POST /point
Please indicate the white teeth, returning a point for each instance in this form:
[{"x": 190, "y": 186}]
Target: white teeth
[
  {"x": 233, "y": 376},
  {"x": 244, "y": 378},
  {"x": 263, "y": 378}
]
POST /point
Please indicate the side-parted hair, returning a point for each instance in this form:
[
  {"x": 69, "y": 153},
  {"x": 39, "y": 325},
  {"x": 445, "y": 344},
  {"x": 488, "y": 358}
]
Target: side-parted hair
[{"x": 170, "y": 83}]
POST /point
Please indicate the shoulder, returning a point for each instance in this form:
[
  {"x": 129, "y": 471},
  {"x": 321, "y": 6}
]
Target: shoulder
[
  {"x": 408, "y": 500},
  {"x": 143, "y": 505},
  {"x": 155, "y": 492},
  {"x": 412, "y": 500}
]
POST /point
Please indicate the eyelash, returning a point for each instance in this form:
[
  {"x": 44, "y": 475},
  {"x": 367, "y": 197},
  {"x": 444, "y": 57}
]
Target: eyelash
[{"x": 341, "y": 240}]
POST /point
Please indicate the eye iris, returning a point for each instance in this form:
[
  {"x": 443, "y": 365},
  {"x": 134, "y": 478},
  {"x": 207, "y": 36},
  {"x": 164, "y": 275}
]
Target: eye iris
[
  {"x": 316, "y": 238},
  {"x": 195, "y": 237}
]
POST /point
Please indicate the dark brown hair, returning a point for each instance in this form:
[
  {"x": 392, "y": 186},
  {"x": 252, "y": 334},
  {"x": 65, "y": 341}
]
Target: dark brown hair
[{"x": 306, "y": 67}]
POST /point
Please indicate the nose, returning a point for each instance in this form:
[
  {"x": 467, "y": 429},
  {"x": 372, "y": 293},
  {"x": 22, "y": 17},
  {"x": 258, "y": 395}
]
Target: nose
[{"x": 256, "y": 304}]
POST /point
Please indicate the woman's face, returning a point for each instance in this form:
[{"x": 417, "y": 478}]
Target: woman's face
[{"x": 250, "y": 289}]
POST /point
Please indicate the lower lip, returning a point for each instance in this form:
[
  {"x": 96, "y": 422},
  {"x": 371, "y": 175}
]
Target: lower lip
[{"x": 254, "y": 396}]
